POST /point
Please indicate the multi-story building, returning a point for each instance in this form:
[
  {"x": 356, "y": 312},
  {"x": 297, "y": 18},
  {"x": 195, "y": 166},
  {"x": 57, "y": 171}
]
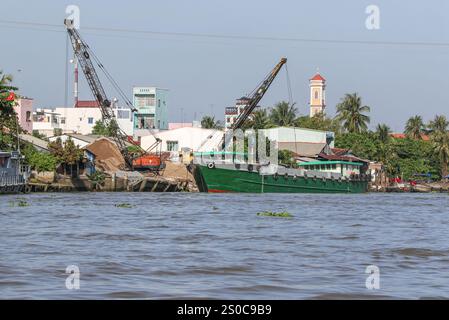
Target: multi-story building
[
  {"x": 232, "y": 113},
  {"x": 79, "y": 120},
  {"x": 152, "y": 109},
  {"x": 24, "y": 109}
]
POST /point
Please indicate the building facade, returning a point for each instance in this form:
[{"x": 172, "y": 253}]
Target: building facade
[
  {"x": 152, "y": 108},
  {"x": 317, "y": 95},
  {"x": 187, "y": 138},
  {"x": 232, "y": 113},
  {"x": 24, "y": 109},
  {"x": 79, "y": 120}
]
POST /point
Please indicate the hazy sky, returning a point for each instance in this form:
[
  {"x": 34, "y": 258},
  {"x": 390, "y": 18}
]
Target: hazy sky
[{"x": 206, "y": 74}]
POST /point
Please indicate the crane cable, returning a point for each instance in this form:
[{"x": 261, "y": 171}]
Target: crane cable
[{"x": 291, "y": 103}]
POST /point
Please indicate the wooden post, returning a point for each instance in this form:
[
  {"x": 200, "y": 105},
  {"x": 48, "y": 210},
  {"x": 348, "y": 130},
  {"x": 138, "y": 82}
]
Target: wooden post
[
  {"x": 126, "y": 182},
  {"x": 155, "y": 186},
  {"x": 143, "y": 185}
]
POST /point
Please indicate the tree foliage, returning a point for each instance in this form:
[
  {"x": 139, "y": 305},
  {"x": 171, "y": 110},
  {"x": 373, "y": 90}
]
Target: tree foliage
[
  {"x": 210, "y": 123},
  {"x": 39, "y": 161},
  {"x": 351, "y": 114},
  {"x": 101, "y": 129}
]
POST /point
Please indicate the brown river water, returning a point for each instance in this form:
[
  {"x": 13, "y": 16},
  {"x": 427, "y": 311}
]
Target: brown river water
[{"x": 180, "y": 246}]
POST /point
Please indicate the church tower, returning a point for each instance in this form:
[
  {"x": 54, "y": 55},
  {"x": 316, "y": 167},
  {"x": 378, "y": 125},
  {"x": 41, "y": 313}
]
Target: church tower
[{"x": 317, "y": 95}]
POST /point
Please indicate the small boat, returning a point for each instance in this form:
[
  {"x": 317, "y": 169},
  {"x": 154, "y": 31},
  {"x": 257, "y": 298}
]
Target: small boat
[
  {"x": 13, "y": 177},
  {"x": 221, "y": 177}
]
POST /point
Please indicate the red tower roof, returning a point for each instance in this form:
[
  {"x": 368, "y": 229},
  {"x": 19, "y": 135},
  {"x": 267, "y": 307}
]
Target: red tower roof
[{"x": 318, "y": 77}]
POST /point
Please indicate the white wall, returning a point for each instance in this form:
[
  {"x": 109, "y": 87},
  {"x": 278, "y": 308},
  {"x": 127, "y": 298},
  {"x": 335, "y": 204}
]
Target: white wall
[
  {"x": 196, "y": 139},
  {"x": 77, "y": 119},
  {"x": 284, "y": 134}
]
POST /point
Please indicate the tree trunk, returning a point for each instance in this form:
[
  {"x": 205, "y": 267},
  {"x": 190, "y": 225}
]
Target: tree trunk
[{"x": 444, "y": 170}]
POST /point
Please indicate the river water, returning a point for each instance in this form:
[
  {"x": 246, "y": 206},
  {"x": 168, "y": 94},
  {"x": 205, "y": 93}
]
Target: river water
[{"x": 172, "y": 246}]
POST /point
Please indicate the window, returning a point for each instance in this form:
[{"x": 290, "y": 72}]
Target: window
[
  {"x": 317, "y": 95},
  {"x": 62, "y": 120},
  {"x": 28, "y": 116},
  {"x": 172, "y": 146},
  {"x": 145, "y": 100},
  {"x": 90, "y": 120},
  {"x": 159, "y": 103}
]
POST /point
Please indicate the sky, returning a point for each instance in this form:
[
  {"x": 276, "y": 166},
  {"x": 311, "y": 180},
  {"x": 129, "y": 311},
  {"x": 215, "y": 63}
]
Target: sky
[{"x": 399, "y": 70}]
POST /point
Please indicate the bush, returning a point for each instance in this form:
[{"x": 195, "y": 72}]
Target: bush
[{"x": 41, "y": 162}]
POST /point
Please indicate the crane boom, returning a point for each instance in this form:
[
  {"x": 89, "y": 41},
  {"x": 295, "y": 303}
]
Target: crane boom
[
  {"x": 258, "y": 95},
  {"x": 82, "y": 52}
]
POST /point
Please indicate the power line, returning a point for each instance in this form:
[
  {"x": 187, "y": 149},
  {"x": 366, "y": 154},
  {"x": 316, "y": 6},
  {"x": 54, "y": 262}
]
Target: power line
[{"x": 235, "y": 37}]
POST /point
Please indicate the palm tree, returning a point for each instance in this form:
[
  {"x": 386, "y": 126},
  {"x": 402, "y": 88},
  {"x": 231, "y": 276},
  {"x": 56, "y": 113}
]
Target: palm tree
[
  {"x": 283, "y": 114},
  {"x": 440, "y": 141},
  {"x": 5, "y": 79},
  {"x": 259, "y": 120},
  {"x": 414, "y": 128},
  {"x": 350, "y": 113},
  {"x": 383, "y": 133},
  {"x": 439, "y": 124},
  {"x": 210, "y": 123}
]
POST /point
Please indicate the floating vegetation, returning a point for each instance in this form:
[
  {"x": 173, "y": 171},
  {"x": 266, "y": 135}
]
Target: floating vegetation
[
  {"x": 275, "y": 214},
  {"x": 19, "y": 203},
  {"x": 124, "y": 206}
]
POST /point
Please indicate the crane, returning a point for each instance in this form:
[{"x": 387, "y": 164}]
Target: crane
[
  {"x": 257, "y": 95},
  {"x": 254, "y": 98},
  {"x": 85, "y": 58}
]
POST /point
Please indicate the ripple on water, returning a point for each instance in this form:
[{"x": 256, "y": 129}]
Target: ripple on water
[{"x": 214, "y": 246}]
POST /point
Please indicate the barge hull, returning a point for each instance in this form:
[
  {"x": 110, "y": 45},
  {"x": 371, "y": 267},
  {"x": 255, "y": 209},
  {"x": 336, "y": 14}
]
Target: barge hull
[{"x": 219, "y": 180}]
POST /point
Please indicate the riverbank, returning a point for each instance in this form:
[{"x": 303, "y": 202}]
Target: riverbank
[{"x": 175, "y": 178}]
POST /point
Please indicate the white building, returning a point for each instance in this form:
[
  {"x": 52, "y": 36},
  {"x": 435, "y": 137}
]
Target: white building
[
  {"x": 303, "y": 142},
  {"x": 45, "y": 121},
  {"x": 194, "y": 139},
  {"x": 79, "y": 120},
  {"x": 232, "y": 113}
]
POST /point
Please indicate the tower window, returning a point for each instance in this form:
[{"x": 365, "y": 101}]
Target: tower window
[{"x": 316, "y": 95}]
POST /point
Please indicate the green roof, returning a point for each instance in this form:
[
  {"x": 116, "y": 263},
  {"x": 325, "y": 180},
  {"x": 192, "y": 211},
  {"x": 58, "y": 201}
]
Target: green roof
[{"x": 314, "y": 163}]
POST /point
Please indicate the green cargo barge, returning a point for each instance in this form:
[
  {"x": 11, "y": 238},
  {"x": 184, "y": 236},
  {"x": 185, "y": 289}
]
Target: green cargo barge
[{"x": 242, "y": 178}]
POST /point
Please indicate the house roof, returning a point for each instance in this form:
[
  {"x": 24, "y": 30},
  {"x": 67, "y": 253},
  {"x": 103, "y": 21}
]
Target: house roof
[
  {"x": 404, "y": 136},
  {"x": 340, "y": 152},
  {"x": 41, "y": 144},
  {"x": 87, "y": 104},
  {"x": 347, "y": 158},
  {"x": 318, "y": 77}
]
